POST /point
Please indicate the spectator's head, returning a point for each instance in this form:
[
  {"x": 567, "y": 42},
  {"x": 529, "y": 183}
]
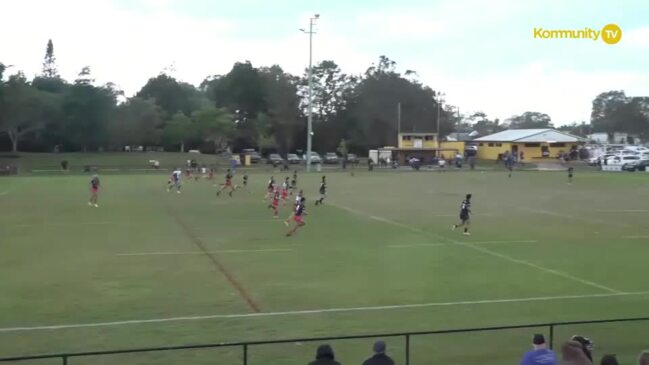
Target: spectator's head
[
  {"x": 573, "y": 354},
  {"x": 608, "y": 360},
  {"x": 644, "y": 358},
  {"x": 324, "y": 352},
  {"x": 586, "y": 345},
  {"x": 538, "y": 341},
  {"x": 379, "y": 347}
]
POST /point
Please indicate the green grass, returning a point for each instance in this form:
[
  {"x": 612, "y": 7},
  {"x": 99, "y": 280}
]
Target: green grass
[{"x": 59, "y": 264}]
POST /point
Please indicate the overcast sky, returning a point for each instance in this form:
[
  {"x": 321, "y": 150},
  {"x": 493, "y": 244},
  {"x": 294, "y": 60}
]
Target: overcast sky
[{"x": 482, "y": 54}]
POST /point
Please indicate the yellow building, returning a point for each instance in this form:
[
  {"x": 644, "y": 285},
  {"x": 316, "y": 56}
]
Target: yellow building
[
  {"x": 533, "y": 143},
  {"x": 423, "y": 146}
]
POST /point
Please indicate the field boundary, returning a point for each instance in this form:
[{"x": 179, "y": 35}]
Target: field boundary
[
  {"x": 481, "y": 249},
  {"x": 171, "y": 253},
  {"x": 318, "y": 311}
]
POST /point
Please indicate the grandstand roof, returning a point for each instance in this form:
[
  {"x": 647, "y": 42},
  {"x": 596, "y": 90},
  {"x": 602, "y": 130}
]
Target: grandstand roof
[{"x": 531, "y": 136}]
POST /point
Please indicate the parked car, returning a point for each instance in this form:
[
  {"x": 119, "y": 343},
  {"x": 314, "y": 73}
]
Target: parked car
[
  {"x": 621, "y": 160},
  {"x": 352, "y": 158},
  {"x": 315, "y": 158},
  {"x": 594, "y": 161},
  {"x": 292, "y": 158},
  {"x": 275, "y": 159},
  {"x": 640, "y": 165},
  {"x": 331, "y": 158},
  {"x": 255, "y": 157}
]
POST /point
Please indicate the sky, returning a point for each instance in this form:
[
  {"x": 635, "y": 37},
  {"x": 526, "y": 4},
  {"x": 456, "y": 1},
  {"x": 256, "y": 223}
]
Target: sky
[{"x": 481, "y": 54}]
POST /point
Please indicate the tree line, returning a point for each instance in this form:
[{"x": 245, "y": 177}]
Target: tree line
[{"x": 258, "y": 107}]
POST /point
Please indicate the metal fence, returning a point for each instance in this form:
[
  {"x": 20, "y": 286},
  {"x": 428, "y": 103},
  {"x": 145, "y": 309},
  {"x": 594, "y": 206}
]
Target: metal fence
[{"x": 246, "y": 346}]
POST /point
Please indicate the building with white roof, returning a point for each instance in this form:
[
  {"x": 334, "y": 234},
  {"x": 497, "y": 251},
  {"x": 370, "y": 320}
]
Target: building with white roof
[{"x": 532, "y": 143}]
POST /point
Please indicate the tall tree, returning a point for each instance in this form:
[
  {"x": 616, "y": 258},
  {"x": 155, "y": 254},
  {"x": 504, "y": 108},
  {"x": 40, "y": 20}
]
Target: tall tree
[
  {"x": 530, "y": 120},
  {"x": 215, "y": 126},
  {"x": 25, "y": 109},
  {"x": 49, "y": 62},
  {"x": 330, "y": 88},
  {"x": 282, "y": 105},
  {"x": 179, "y": 130},
  {"x": 136, "y": 123},
  {"x": 172, "y": 96}
]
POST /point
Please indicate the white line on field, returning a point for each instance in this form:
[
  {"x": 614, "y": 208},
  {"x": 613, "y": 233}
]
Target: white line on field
[
  {"x": 635, "y": 237},
  {"x": 4, "y": 193},
  {"x": 569, "y": 216},
  {"x": 317, "y": 311},
  {"x": 624, "y": 211},
  {"x": 202, "y": 252},
  {"x": 484, "y": 250},
  {"x": 445, "y": 244},
  {"x": 68, "y": 224}
]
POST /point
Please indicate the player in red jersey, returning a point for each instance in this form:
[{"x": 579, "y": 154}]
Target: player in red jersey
[
  {"x": 227, "y": 184},
  {"x": 300, "y": 212},
  {"x": 274, "y": 204},
  {"x": 298, "y": 199},
  {"x": 94, "y": 191}
]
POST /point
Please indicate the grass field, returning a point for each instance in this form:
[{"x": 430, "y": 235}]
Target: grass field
[{"x": 541, "y": 250}]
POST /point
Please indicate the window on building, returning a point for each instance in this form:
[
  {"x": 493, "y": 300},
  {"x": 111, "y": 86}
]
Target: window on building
[
  {"x": 532, "y": 145},
  {"x": 499, "y": 144},
  {"x": 557, "y": 145},
  {"x": 481, "y": 144},
  {"x": 429, "y": 138},
  {"x": 490, "y": 144},
  {"x": 406, "y": 138}
]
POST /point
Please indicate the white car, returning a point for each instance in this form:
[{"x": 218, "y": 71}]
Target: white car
[{"x": 621, "y": 160}]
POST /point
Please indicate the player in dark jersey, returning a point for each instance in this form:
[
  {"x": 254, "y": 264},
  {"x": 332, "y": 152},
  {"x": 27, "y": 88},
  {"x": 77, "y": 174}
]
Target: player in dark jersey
[
  {"x": 94, "y": 191},
  {"x": 323, "y": 191},
  {"x": 300, "y": 212},
  {"x": 270, "y": 189},
  {"x": 244, "y": 184},
  {"x": 298, "y": 199},
  {"x": 465, "y": 215},
  {"x": 294, "y": 182},
  {"x": 274, "y": 204},
  {"x": 227, "y": 184},
  {"x": 570, "y": 170}
]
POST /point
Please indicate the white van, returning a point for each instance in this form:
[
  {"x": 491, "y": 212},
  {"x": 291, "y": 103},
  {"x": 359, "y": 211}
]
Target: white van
[{"x": 621, "y": 160}]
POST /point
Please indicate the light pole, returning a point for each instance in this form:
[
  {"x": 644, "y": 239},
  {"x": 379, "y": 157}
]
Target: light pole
[
  {"x": 309, "y": 135},
  {"x": 440, "y": 101}
]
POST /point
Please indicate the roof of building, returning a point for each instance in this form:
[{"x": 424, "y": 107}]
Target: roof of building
[{"x": 531, "y": 136}]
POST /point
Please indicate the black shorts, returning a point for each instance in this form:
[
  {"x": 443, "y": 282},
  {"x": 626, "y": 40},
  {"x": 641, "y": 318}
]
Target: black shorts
[{"x": 464, "y": 217}]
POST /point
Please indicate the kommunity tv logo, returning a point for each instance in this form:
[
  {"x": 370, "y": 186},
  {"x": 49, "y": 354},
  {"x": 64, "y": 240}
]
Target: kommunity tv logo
[{"x": 609, "y": 34}]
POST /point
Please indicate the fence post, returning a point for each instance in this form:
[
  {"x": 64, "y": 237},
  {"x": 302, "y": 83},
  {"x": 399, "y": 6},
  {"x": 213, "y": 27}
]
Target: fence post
[
  {"x": 65, "y": 360},
  {"x": 407, "y": 349},
  {"x": 245, "y": 354},
  {"x": 551, "y": 336}
]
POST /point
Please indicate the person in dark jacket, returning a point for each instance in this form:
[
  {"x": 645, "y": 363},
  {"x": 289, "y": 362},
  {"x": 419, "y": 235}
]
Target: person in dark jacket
[
  {"x": 324, "y": 355},
  {"x": 379, "y": 357}
]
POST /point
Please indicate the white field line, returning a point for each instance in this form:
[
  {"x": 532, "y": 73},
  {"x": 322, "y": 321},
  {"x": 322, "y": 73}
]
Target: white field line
[
  {"x": 58, "y": 170},
  {"x": 569, "y": 216},
  {"x": 57, "y": 224},
  {"x": 486, "y": 251},
  {"x": 171, "y": 253},
  {"x": 624, "y": 211},
  {"x": 317, "y": 311},
  {"x": 446, "y": 244},
  {"x": 3, "y": 193},
  {"x": 635, "y": 237}
]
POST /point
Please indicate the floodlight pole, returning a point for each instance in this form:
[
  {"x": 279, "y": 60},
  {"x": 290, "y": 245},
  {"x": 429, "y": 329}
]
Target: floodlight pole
[
  {"x": 440, "y": 100},
  {"x": 309, "y": 136}
]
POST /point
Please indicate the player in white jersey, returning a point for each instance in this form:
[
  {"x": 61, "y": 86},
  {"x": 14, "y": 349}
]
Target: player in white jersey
[{"x": 175, "y": 180}]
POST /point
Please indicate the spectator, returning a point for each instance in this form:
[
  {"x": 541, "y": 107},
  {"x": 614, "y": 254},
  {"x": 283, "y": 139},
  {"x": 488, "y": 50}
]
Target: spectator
[
  {"x": 573, "y": 354},
  {"x": 644, "y": 358},
  {"x": 586, "y": 345},
  {"x": 608, "y": 360},
  {"x": 379, "y": 357},
  {"x": 540, "y": 355},
  {"x": 324, "y": 356}
]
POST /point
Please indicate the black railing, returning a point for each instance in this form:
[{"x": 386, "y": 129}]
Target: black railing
[{"x": 246, "y": 345}]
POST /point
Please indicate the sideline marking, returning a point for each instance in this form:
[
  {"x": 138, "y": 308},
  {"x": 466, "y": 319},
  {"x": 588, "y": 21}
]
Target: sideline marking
[
  {"x": 202, "y": 252},
  {"x": 316, "y": 311},
  {"x": 484, "y": 250},
  {"x": 450, "y": 243},
  {"x": 624, "y": 211}
]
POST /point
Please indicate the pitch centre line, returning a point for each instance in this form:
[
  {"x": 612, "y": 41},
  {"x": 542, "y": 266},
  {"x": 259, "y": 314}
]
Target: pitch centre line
[
  {"x": 485, "y": 251},
  {"x": 317, "y": 311},
  {"x": 163, "y": 253}
]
